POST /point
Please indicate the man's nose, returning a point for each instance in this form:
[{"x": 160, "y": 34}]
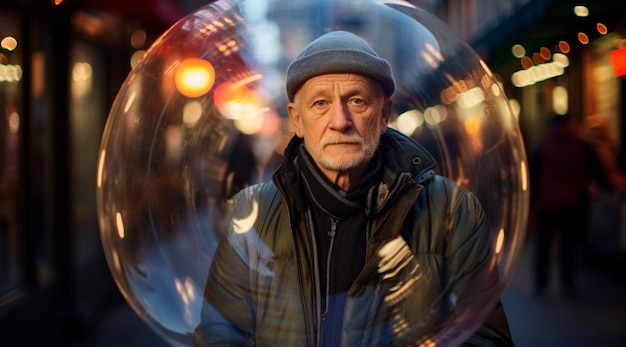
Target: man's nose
[{"x": 341, "y": 118}]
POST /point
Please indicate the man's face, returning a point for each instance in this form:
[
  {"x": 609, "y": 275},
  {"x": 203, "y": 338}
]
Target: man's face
[{"x": 341, "y": 118}]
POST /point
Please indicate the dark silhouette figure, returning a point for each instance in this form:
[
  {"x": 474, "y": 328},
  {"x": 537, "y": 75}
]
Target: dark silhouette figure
[
  {"x": 241, "y": 170},
  {"x": 561, "y": 168}
]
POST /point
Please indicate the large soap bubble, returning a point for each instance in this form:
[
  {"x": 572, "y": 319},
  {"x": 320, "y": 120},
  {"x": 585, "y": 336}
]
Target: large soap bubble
[{"x": 203, "y": 115}]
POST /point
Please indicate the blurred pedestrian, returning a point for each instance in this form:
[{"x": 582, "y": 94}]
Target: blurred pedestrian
[
  {"x": 241, "y": 170},
  {"x": 561, "y": 168},
  {"x": 597, "y": 132}
]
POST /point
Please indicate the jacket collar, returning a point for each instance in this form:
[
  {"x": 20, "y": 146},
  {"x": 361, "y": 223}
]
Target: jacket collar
[
  {"x": 404, "y": 160},
  {"x": 403, "y": 154}
]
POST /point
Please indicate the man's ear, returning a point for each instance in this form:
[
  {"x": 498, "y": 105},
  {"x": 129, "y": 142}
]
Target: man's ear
[
  {"x": 386, "y": 114},
  {"x": 294, "y": 117}
]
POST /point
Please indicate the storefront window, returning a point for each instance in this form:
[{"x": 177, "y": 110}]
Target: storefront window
[
  {"x": 87, "y": 117},
  {"x": 11, "y": 267}
]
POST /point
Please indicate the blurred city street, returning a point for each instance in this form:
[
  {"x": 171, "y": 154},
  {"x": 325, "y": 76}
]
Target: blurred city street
[
  {"x": 596, "y": 318},
  {"x": 116, "y": 167}
]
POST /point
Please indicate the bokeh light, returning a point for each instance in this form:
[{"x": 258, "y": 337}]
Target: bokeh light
[{"x": 194, "y": 77}]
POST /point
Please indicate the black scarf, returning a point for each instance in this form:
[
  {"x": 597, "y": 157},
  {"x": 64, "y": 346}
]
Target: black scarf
[
  {"x": 347, "y": 209},
  {"x": 328, "y": 197}
]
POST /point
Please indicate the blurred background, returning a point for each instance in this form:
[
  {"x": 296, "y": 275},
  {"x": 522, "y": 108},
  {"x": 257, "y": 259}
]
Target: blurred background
[{"x": 63, "y": 61}]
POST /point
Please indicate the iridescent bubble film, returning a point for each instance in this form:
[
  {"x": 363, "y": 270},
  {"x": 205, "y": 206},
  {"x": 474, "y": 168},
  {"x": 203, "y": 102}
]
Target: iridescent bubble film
[{"x": 203, "y": 115}]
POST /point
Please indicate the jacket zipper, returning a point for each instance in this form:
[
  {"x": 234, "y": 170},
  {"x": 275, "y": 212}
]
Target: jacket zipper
[
  {"x": 331, "y": 233},
  {"x": 319, "y": 316}
]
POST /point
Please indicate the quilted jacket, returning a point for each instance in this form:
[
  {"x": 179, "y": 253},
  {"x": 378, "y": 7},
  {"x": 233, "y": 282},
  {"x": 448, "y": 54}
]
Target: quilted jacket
[{"x": 429, "y": 272}]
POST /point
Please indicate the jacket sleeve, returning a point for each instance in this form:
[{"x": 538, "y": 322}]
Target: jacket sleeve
[
  {"x": 494, "y": 332},
  {"x": 227, "y": 317},
  {"x": 473, "y": 271}
]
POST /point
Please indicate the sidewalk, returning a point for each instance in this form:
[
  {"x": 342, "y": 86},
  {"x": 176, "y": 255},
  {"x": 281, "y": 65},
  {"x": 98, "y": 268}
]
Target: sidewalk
[{"x": 597, "y": 318}]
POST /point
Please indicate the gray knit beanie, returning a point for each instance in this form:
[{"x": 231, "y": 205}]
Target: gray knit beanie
[{"x": 338, "y": 52}]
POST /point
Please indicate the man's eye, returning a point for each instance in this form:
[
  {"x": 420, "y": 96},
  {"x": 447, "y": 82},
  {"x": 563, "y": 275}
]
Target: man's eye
[
  {"x": 357, "y": 101},
  {"x": 319, "y": 103}
]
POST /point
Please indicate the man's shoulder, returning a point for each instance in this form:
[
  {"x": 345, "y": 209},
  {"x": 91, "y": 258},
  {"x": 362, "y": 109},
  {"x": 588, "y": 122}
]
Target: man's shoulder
[
  {"x": 410, "y": 154},
  {"x": 258, "y": 200},
  {"x": 257, "y": 192}
]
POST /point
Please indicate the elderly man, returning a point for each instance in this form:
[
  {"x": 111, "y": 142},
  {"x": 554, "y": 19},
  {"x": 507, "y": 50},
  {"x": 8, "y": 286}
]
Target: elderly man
[{"x": 356, "y": 241}]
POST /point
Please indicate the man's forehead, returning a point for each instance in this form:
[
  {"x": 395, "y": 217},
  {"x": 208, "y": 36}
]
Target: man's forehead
[{"x": 344, "y": 80}]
